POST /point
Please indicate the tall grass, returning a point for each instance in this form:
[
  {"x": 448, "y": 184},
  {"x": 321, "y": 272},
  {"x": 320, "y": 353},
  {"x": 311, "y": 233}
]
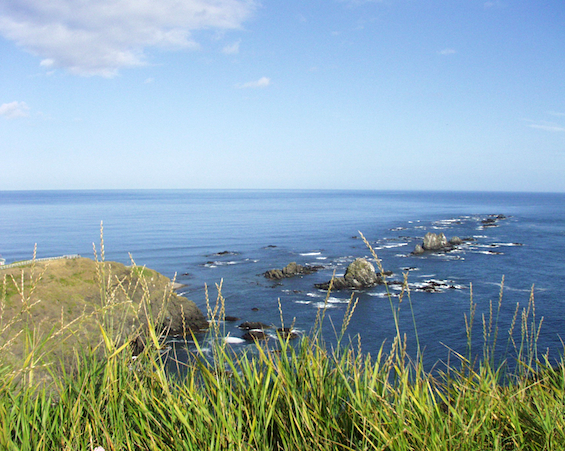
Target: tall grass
[{"x": 285, "y": 396}]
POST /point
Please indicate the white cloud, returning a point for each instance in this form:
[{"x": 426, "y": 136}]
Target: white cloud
[
  {"x": 447, "y": 51},
  {"x": 99, "y": 37},
  {"x": 545, "y": 125},
  {"x": 48, "y": 62},
  {"x": 14, "y": 109},
  {"x": 548, "y": 127},
  {"x": 232, "y": 49},
  {"x": 263, "y": 82}
]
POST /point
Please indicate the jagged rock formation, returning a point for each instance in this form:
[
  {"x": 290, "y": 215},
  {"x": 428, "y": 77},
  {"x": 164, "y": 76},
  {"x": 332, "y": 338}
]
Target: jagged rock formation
[
  {"x": 433, "y": 241},
  {"x": 360, "y": 274},
  {"x": 437, "y": 242}
]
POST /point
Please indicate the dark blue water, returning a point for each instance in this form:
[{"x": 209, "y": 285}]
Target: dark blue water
[{"x": 182, "y": 233}]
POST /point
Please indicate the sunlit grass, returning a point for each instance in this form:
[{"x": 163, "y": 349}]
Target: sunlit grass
[{"x": 280, "y": 395}]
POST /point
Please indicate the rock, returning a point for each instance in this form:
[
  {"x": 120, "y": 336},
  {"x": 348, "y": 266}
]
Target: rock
[
  {"x": 223, "y": 253},
  {"x": 291, "y": 270},
  {"x": 274, "y": 274},
  {"x": 360, "y": 274},
  {"x": 418, "y": 249},
  {"x": 436, "y": 286},
  {"x": 491, "y": 221},
  {"x": 433, "y": 241},
  {"x": 286, "y": 332},
  {"x": 182, "y": 316},
  {"x": 248, "y": 325},
  {"x": 437, "y": 242},
  {"x": 254, "y": 335},
  {"x": 231, "y": 319}
]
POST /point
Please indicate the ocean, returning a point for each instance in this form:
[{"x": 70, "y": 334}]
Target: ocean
[{"x": 209, "y": 237}]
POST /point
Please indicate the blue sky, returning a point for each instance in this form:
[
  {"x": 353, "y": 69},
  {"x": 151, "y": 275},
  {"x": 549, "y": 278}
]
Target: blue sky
[{"x": 345, "y": 94}]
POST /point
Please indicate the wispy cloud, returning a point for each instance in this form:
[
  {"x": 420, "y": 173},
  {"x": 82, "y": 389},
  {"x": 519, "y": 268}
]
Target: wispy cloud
[
  {"x": 447, "y": 51},
  {"x": 100, "y": 37},
  {"x": 545, "y": 125},
  {"x": 13, "y": 110},
  {"x": 232, "y": 49},
  {"x": 263, "y": 82},
  {"x": 548, "y": 127}
]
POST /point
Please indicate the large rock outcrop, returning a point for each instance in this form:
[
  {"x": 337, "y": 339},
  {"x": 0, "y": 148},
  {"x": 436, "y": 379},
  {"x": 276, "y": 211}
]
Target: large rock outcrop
[
  {"x": 360, "y": 274},
  {"x": 436, "y": 242}
]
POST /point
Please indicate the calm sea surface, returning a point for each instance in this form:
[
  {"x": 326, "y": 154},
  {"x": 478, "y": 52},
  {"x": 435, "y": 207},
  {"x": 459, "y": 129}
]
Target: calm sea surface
[{"x": 187, "y": 233}]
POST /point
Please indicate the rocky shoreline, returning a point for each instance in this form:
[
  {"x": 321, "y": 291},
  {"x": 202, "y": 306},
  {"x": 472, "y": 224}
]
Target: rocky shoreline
[
  {"x": 182, "y": 317},
  {"x": 360, "y": 274}
]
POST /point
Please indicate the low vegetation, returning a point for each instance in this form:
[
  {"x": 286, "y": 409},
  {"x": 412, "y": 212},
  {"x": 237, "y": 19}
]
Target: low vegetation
[{"x": 305, "y": 395}]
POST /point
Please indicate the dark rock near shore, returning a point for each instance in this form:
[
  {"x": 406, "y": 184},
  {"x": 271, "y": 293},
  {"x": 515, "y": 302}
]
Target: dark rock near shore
[
  {"x": 291, "y": 270},
  {"x": 286, "y": 332},
  {"x": 255, "y": 334},
  {"x": 183, "y": 316},
  {"x": 248, "y": 325},
  {"x": 359, "y": 275}
]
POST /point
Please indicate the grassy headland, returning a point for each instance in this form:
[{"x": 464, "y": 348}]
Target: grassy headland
[{"x": 62, "y": 305}]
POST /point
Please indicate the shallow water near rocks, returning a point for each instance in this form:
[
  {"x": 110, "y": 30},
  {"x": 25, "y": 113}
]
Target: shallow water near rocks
[{"x": 206, "y": 237}]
